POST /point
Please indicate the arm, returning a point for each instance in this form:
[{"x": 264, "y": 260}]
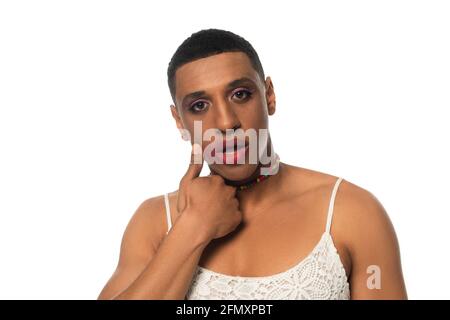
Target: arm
[
  {"x": 376, "y": 271},
  {"x": 208, "y": 209},
  {"x": 147, "y": 270}
]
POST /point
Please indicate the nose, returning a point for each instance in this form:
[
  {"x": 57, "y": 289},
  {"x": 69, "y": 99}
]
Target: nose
[{"x": 226, "y": 118}]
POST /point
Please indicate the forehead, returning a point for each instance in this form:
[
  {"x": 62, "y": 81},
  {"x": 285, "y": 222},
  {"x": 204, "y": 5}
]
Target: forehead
[{"x": 213, "y": 72}]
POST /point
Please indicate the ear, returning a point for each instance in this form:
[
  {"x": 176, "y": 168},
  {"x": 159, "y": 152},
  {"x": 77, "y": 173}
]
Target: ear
[
  {"x": 270, "y": 96},
  {"x": 179, "y": 123},
  {"x": 176, "y": 116}
]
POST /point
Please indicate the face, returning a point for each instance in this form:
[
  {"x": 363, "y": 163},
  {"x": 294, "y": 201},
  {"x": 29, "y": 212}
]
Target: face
[{"x": 225, "y": 93}]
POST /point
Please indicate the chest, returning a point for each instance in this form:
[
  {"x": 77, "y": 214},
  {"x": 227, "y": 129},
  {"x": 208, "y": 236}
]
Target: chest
[
  {"x": 319, "y": 275},
  {"x": 269, "y": 243}
]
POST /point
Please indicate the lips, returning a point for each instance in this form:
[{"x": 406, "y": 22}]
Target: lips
[
  {"x": 232, "y": 152},
  {"x": 231, "y": 145}
]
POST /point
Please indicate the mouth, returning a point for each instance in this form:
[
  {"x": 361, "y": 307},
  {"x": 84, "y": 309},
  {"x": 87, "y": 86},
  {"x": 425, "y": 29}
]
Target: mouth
[{"x": 233, "y": 151}]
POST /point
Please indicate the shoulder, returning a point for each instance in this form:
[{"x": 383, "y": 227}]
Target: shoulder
[
  {"x": 357, "y": 211},
  {"x": 145, "y": 229},
  {"x": 301, "y": 182},
  {"x": 365, "y": 229},
  {"x": 359, "y": 219},
  {"x": 138, "y": 246},
  {"x": 362, "y": 224}
]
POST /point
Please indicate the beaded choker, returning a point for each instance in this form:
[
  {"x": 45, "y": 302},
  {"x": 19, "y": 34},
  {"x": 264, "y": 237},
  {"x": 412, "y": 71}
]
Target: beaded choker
[{"x": 273, "y": 168}]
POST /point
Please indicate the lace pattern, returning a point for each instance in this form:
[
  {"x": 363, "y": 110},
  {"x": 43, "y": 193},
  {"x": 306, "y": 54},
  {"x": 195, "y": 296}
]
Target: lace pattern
[{"x": 319, "y": 276}]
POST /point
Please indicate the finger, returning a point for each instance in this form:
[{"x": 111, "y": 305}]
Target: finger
[{"x": 196, "y": 165}]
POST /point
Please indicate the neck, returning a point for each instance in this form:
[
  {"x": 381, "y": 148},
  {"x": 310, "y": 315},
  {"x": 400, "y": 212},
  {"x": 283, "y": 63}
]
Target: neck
[
  {"x": 261, "y": 194},
  {"x": 261, "y": 173}
]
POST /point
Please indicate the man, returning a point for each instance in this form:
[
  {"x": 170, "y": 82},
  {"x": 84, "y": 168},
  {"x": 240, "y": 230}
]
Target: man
[{"x": 238, "y": 223}]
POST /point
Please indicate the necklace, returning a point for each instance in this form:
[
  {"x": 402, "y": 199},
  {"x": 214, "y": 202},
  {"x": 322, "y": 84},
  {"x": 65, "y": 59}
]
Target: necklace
[{"x": 273, "y": 168}]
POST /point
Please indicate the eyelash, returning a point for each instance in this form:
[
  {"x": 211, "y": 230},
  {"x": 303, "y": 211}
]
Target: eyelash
[{"x": 247, "y": 92}]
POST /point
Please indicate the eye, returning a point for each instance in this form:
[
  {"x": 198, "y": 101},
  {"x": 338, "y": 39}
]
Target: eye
[
  {"x": 198, "y": 106},
  {"x": 242, "y": 94}
]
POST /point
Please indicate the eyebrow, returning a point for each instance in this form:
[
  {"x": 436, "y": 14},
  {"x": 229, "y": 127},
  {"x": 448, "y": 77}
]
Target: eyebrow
[{"x": 230, "y": 85}]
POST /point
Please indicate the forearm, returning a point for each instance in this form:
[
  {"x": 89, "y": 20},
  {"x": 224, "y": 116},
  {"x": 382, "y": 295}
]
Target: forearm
[
  {"x": 184, "y": 276},
  {"x": 169, "y": 273}
]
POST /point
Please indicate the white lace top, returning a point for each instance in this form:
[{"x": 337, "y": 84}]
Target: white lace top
[{"x": 320, "y": 275}]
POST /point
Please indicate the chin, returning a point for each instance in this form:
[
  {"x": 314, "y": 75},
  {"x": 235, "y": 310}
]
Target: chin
[{"x": 236, "y": 172}]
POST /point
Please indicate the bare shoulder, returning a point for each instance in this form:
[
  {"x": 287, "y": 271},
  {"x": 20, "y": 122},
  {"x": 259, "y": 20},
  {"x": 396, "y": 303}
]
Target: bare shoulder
[
  {"x": 140, "y": 241},
  {"x": 145, "y": 228},
  {"x": 361, "y": 219},
  {"x": 363, "y": 227},
  {"x": 357, "y": 211},
  {"x": 313, "y": 186},
  {"x": 304, "y": 181}
]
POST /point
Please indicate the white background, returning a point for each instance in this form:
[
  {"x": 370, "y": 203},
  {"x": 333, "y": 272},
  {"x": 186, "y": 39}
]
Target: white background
[{"x": 362, "y": 92}]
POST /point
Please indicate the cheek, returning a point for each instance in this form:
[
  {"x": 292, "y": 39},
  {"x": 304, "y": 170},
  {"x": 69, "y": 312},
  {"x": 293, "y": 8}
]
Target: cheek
[
  {"x": 197, "y": 128},
  {"x": 255, "y": 116}
]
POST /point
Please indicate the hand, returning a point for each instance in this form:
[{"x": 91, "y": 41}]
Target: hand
[{"x": 208, "y": 200}]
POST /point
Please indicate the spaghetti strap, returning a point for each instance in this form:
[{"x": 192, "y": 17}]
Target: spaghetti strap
[
  {"x": 169, "y": 220},
  {"x": 331, "y": 205}
]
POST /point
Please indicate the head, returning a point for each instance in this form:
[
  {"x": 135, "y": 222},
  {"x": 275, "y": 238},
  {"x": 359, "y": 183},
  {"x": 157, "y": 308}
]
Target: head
[{"x": 215, "y": 78}]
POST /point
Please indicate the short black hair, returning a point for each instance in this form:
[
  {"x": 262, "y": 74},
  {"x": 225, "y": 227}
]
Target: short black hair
[{"x": 208, "y": 42}]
